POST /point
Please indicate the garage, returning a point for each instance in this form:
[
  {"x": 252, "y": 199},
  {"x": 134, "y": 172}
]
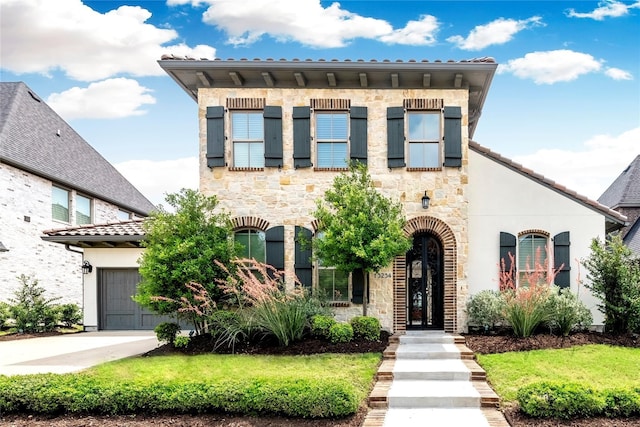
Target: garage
[{"x": 118, "y": 310}]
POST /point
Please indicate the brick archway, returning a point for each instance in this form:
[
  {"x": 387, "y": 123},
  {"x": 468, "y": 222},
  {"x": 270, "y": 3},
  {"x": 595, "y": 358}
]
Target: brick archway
[{"x": 443, "y": 232}]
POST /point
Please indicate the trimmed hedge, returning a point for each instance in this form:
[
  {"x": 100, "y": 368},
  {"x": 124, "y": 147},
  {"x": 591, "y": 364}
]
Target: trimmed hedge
[
  {"x": 573, "y": 400},
  {"x": 366, "y": 327},
  {"x": 53, "y": 394}
]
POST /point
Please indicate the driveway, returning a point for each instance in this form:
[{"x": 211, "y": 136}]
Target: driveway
[{"x": 73, "y": 352}]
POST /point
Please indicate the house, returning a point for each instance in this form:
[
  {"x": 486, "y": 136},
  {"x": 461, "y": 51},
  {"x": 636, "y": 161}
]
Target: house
[
  {"x": 623, "y": 195},
  {"x": 51, "y": 178},
  {"x": 274, "y": 134}
]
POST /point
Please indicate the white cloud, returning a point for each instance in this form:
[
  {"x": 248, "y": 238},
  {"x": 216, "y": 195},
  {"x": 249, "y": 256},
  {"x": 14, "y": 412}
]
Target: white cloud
[
  {"x": 590, "y": 170},
  {"x": 155, "y": 179},
  {"x": 496, "y": 32},
  {"x": 552, "y": 66},
  {"x": 108, "y": 99},
  {"x": 415, "y": 33},
  {"x": 618, "y": 74},
  {"x": 85, "y": 44},
  {"x": 605, "y": 9}
]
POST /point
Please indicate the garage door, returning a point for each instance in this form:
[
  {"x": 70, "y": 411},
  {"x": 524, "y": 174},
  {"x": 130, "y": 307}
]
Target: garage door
[{"x": 117, "y": 308}]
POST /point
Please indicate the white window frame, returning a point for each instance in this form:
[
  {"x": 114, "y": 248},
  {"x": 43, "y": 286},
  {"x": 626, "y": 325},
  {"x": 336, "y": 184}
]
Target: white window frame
[
  {"x": 426, "y": 143},
  {"x": 68, "y": 206},
  {"x": 77, "y": 213},
  {"x": 257, "y": 143},
  {"x": 335, "y": 162}
]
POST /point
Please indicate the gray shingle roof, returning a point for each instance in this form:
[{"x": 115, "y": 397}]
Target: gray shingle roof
[
  {"x": 632, "y": 239},
  {"x": 615, "y": 220},
  {"x": 625, "y": 190},
  {"x": 34, "y": 138},
  {"x": 111, "y": 234}
]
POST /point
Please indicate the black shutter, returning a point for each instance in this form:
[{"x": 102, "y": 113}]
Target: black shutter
[
  {"x": 562, "y": 256},
  {"x": 215, "y": 137},
  {"x": 357, "y": 286},
  {"x": 303, "y": 262},
  {"x": 359, "y": 134},
  {"x": 507, "y": 246},
  {"x": 302, "y": 137},
  {"x": 452, "y": 137},
  {"x": 395, "y": 137},
  {"x": 273, "y": 136},
  {"x": 275, "y": 247}
]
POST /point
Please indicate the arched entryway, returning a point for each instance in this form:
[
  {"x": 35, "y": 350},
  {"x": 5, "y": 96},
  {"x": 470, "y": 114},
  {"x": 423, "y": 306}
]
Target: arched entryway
[
  {"x": 437, "y": 236},
  {"x": 425, "y": 283}
]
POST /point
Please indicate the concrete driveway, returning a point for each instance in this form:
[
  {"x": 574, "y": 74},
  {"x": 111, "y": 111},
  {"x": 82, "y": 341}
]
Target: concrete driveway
[{"x": 73, "y": 352}]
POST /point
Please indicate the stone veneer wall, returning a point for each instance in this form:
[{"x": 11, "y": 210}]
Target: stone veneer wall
[
  {"x": 287, "y": 196},
  {"x": 25, "y": 212}
]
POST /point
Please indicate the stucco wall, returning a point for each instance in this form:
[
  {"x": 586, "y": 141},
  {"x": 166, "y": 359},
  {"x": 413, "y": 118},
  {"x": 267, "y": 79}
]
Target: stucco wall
[
  {"x": 25, "y": 212},
  {"x": 287, "y": 196},
  {"x": 503, "y": 200}
]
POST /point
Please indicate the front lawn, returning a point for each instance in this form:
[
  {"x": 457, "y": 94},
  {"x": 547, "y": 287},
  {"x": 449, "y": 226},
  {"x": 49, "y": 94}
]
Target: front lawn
[
  {"x": 599, "y": 366},
  {"x": 317, "y": 386}
]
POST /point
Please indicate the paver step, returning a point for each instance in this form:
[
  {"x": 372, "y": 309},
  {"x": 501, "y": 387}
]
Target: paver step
[
  {"x": 436, "y": 417},
  {"x": 427, "y": 338},
  {"x": 428, "y": 351},
  {"x": 432, "y": 394},
  {"x": 436, "y": 369}
]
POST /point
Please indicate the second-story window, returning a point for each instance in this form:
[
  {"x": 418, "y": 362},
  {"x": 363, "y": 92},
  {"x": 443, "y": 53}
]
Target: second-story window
[
  {"x": 248, "y": 139},
  {"x": 60, "y": 204},
  {"x": 331, "y": 136},
  {"x": 83, "y": 210},
  {"x": 424, "y": 139}
]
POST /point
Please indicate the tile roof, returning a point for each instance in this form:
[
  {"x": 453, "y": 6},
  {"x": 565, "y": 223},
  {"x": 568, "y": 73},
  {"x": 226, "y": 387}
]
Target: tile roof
[
  {"x": 112, "y": 234},
  {"x": 615, "y": 220},
  {"x": 36, "y": 139},
  {"x": 625, "y": 190}
]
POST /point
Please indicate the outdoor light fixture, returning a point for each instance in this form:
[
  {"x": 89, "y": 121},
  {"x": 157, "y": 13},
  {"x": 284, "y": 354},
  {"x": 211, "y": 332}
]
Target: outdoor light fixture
[
  {"x": 425, "y": 201},
  {"x": 87, "y": 267}
]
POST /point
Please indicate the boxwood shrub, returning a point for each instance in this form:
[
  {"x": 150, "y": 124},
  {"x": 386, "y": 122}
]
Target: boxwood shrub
[
  {"x": 320, "y": 325},
  {"x": 366, "y": 327},
  {"x": 53, "y": 394},
  {"x": 340, "y": 332}
]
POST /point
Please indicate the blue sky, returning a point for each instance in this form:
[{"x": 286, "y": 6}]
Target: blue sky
[{"x": 565, "y": 100}]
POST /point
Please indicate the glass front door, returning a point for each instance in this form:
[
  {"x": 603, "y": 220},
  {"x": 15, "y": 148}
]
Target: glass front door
[{"x": 425, "y": 284}]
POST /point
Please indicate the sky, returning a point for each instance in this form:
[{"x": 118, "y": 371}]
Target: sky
[{"x": 565, "y": 100}]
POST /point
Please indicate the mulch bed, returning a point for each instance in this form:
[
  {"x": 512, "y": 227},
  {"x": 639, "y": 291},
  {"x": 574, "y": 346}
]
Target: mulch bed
[{"x": 482, "y": 344}]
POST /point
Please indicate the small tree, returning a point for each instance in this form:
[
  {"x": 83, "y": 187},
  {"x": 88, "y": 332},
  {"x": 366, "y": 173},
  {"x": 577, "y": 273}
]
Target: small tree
[
  {"x": 30, "y": 309},
  {"x": 361, "y": 228},
  {"x": 182, "y": 247},
  {"x": 614, "y": 277}
]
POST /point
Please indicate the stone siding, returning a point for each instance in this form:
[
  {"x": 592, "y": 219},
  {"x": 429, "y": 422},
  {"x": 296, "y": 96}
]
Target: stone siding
[{"x": 287, "y": 196}]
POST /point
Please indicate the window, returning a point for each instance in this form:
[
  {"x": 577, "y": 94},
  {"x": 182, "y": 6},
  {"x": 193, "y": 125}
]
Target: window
[
  {"x": 60, "y": 204},
  {"x": 424, "y": 139},
  {"x": 253, "y": 242},
  {"x": 332, "y": 283},
  {"x": 331, "y": 136},
  {"x": 532, "y": 252},
  {"x": 124, "y": 215},
  {"x": 83, "y": 210},
  {"x": 248, "y": 139}
]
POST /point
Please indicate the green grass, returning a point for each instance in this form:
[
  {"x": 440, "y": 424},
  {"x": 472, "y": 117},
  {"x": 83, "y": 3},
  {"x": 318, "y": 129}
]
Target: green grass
[
  {"x": 357, "y": 369},
  {"x": 599, "y": 366}
]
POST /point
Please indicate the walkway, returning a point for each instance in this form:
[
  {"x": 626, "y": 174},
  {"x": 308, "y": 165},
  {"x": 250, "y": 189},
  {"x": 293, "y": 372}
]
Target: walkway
[{"x": 431, "y": 376}]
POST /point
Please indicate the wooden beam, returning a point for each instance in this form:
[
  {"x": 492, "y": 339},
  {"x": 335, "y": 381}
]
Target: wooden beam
[
  {"x": 300, "y": 79},
  {"x": 236, "y": 77},
  {"x": 331, "y": 78},
  {"x": 268, "y": 79},
  {"x": 363, "y": 79},
  {"x": 204, "y": 78}
]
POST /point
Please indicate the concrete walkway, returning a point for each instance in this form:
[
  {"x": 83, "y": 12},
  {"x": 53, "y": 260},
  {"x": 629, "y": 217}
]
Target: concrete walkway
[
  {"x": 429, "y": 377},
  {"x": 72, "y": 352}
]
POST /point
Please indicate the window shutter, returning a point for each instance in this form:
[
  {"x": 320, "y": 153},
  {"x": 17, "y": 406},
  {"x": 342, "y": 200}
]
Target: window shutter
[
  {"x": 275, "y": 247},
  {"x": 302, "y": 137},
  {"x": 395, "y": 137},
  {"x": 561, "y": 256},
  {"x": 359, "y": 134},
  {"x": 215, "y": 137},
  {"x": 507, "y": 246},
  {"x": 273, "y": 136},
  {"x": 357, "y": 286},
  {"x": 303, "y": 263},
  {"x": 452, "y": 137}
]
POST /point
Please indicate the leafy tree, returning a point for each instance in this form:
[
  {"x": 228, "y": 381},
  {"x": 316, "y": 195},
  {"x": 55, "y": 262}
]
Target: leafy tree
[
  {"x": 614, "y": 276},
  {"x": 181, "y": 247},
  {"x": 361, "y": 229}
]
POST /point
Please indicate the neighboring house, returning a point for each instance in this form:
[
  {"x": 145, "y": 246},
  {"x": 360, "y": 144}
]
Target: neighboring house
[
  {"x": 623, "y": 196},
  {"x": 51, "y": 178},
  {"x": 274, "y": 134}
]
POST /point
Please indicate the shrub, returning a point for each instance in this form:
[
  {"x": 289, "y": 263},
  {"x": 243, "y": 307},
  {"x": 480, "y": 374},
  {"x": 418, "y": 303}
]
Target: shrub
[
  {"x": 70, "y": 314},
  {"x": 622, "y": 403},
  {"x": 167, "y": 331},
  {"x": 560, "y": 400},
  {"x": 526, "y": 307},
  {"x": 181, "y": 341},
  {"x": 229, "y": 328},
  {"x": 5, "y": 313},
  {"x": 320, "y": 326},
  {"x": 340, "y": 332},
  {"x": 31, "y": 311},
  {"x": 566, "y": 311},
  {"x": 486, "y": 309},
  {"x": 366, "y": 327}
]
